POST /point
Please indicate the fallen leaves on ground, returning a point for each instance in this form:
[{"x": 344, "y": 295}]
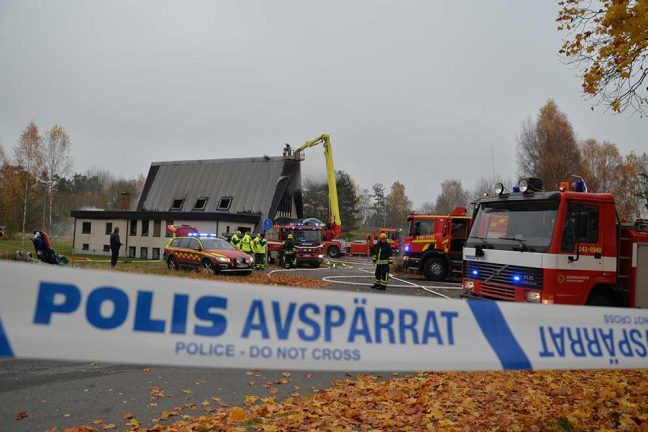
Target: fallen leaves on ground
[
  {"x": 21, "y": 415},
  {"x": 448, "y": 401}
]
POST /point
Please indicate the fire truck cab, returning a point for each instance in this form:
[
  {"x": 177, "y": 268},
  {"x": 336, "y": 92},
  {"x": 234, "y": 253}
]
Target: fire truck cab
[
  {"x": 309, "y": 248},
  {"x": 564, "y": 247},
  {"x": 434, "y": 243}
]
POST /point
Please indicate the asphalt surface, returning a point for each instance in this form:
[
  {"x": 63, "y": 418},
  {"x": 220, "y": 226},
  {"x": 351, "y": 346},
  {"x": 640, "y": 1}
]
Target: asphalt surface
[{"x": 63, "y": 394}]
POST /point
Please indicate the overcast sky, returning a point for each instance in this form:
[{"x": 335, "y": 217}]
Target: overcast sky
[{"x": 416, "y": 91}]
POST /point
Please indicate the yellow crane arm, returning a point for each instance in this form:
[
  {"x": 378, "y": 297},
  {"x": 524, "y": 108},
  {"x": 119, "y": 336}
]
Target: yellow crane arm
[{"x": 325, "y": 140}]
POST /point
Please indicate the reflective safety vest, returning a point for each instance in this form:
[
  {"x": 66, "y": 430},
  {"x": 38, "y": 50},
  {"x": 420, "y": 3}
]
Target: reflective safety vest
[
  {"x": 246, "y": 243},
  {"x": 236, "y": 241},
  {"x": 259, "y": 245}
]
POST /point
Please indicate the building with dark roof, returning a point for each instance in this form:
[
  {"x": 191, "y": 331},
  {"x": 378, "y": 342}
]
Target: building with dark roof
[{"x": 218, "y": 195}]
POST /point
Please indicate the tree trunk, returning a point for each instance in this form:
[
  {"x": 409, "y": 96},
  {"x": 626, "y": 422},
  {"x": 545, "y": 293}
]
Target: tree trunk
[
  {"x": 51, "y": 186},
  {"x": 24, "y": 221}
]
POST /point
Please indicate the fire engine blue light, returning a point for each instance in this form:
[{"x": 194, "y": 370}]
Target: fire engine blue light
[
  {"x": 475, "y": 272},
  {"x": 515, "y": 189},
  {"x": 517, "y": 278},
  {"x": 579, "y": 186},
  {"x": 406, "y": 248}
]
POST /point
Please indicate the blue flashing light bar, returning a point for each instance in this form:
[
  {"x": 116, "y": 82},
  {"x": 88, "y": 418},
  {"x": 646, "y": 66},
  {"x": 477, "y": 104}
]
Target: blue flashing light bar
[
  {"x": 515, "y": 189},
  {"x": 475, "y": 272},
  {"x": 517, "y": 278}
]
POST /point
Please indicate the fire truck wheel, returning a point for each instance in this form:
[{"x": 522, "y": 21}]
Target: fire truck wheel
[
  {"x": 435, "y": 269},
  {"x": 600, "y": 299},
  {"x": 172, "y": 264},
  {"x": 333, "y": 251},
  {"x": 316, "y": 265}
]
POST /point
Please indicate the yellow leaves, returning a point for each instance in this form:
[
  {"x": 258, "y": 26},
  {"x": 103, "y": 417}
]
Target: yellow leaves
[
  {"x": 237, "y": 414},
  {"x": 250, "y": 400},
  {"x": 609, "y": 41}
]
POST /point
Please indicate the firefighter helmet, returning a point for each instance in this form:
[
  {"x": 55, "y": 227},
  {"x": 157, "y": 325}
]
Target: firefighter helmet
[
  {"x": 290, "y": 236},
  {"x": 383, "y": 236}
]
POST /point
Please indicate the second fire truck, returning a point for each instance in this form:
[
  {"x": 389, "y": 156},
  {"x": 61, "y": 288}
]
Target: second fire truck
[{"x": 564, "y": 247}]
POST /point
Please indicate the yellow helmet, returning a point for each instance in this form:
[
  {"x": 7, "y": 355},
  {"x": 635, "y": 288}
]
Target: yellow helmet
[
  {"x": 383, "y": 236},
  {"x": 290, "y": 236}
]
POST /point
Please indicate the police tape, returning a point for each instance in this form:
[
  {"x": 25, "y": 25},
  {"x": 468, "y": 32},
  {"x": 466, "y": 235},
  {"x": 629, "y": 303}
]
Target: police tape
[{"x": 49, "y": 312}]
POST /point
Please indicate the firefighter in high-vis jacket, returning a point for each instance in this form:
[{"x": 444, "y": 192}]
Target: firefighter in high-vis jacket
[
  {"x": 246, "y": 244},
  {"x": 382, "y": 256},
  {"x": 289, "y": 254},
  {"x": 259, "y": 248},
  {"x": 236, "y": 240}
]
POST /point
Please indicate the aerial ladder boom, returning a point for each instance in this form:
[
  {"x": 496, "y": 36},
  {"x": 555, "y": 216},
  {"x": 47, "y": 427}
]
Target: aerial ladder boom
[{"x": 334, "y": 222}]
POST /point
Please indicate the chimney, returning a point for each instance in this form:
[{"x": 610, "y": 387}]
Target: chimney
[{"x": 124, "y": 202}]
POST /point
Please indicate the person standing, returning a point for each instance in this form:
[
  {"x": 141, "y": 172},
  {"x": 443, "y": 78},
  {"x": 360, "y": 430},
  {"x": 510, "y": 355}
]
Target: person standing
[
  {"x": 290, "y": 257},
  {"x": 382, "y": 257},
  {"x": 115, "y": 244},
  {"x": 246, "y": 244},
  {"x": 236, "y": 240},
  {"x": 259, "y": 247}
]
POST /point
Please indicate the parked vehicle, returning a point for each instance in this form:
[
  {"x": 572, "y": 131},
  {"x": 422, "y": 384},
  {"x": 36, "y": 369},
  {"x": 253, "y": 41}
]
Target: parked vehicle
[
  {"x": 564, "y": 247},
  {"x": 434, "y": 243},
  {"x": 201, "y": 250},
  {"x": 309, "y": 249}
]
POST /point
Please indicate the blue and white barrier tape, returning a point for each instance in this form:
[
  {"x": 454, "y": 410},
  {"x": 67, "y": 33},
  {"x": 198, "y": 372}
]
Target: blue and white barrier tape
[{"x": 83, "y": 315}]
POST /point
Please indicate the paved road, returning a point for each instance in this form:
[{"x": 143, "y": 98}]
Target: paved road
[{"x": 65, "y": 394}]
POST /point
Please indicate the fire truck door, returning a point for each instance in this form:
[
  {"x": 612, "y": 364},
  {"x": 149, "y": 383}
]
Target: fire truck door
[
  {"x": 581, "y": 242},
  {"x": 641, "y": 284}
]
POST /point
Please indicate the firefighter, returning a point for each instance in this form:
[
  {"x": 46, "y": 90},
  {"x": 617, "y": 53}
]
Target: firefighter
[
  {"x": 382, "y": 257},
  {"x": 246, "y": 243},
  {"x": 236, "y": 240},
  {"x": 290, "y": 256},
  {"x": 259, "y": 248}
]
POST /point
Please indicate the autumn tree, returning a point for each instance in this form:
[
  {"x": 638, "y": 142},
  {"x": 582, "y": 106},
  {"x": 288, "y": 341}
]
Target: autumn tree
[
  {"x": 628, "y": 187},
  {"x": 427, "y": 207},
  {"x": 56, "y": 154},
  {"x": 643, "y": 193},
  {"x": 397, "y": 206},
  {"x": 601, "y": 165},
  {"x": 606, "y": 40},
  {"x": 29, "y": 156},
  {"x": 452, "y": 195},
  {"x": 316, "y": 200},
  {"x": 378, "y": 217},
  {"x": 547, "y": 147},
  {"x": 3, "y": 157}
]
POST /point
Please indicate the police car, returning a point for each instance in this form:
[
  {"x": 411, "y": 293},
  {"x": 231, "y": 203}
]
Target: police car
[{"x": 207, "y": 251}]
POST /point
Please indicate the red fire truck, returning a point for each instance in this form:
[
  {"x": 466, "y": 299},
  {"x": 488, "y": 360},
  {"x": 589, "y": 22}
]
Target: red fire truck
[
  {"x": 364, "y": 247},
  {"x": 565, "y": 247},
  {"x": 309, "y": 248},
  {"x": 434, "y": 242}
]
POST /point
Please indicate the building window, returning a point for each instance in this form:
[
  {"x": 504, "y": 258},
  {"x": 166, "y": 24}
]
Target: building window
[
  {"x": 145, "y": 227},
  {"x": 86, "y": 228},
  {"x": 177, "y": 204},
  {"x": 144, "y": 253},
  {"x": 133, "y": 227},
  {"x": 108, "y": 228},
  {"x": 169, "y": 233},
  {"x": 224, "y": 203},
  {"x": 132, "y": 252},
  {"x": 201, "y": 203},
  {"x": 106, "y": 248},
  {"x": 157, "y": 228},
  {"x": 155, "y": 253},
  {"x": 85, "y": 246},
  {"x": 227, "y": 229}
]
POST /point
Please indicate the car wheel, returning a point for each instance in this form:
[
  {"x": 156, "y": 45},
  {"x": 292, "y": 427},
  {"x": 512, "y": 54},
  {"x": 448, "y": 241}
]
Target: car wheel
[
  {"x": 172, "y": 264},
  {"x": 435, "y": 269},
  {"x": 208, "y": 266},
  {"x": 333, "y": 251}
]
